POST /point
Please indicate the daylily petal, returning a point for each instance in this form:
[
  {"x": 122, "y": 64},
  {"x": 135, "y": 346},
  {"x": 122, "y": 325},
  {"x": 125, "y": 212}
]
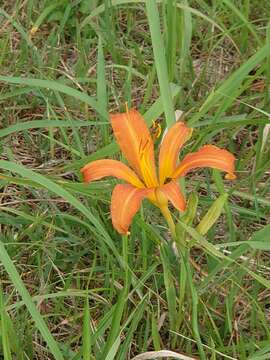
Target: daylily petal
[
  {"x": 208, "y": 156},
  {"x": 101, "y": 168},
  {"x": 126, "y": 201},
  {"x": 174, "y": 195},
  {"x": 135, "y": 141},
  {"x": 173, "y": 141}
]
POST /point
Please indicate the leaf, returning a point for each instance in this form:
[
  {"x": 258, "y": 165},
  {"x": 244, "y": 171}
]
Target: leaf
[
  {"x": 20, "y": 287},
  {"x": 260, "y": 240},
  {"x": 4, "y": 329},
  {"x": 211, "y": 249},
  {"x": 37, "y": 124},
  {"x": 86, "y": 345},
  {"x": 60, "y": 191},
  {"x": 57, "y": 86},
  {"x": 113, "y": 340},
  {"x": 170, "y": 288},
  {"x": 229, "y": 88},
  {"x": 160, "y": 61}
]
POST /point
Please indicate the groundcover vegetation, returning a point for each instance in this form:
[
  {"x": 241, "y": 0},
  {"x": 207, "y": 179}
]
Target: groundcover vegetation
[{"x": 173, "y": 264}]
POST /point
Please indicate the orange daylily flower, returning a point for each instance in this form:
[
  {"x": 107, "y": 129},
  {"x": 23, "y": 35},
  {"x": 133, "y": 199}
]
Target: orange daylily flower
[{"x": 134, "y": 139}]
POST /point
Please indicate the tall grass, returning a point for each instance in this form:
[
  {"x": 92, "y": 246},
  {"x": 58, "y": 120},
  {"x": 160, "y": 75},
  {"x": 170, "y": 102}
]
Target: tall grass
[{"x": 71, "y": 287}]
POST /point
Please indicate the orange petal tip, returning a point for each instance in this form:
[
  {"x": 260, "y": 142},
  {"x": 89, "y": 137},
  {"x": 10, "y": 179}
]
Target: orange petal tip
[
  {"x": 99, "y": 169},
  {"x": 230, "y": 176},
  {"x": 126, "y": 201}
]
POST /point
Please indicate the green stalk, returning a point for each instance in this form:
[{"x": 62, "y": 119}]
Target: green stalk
[
  {"x": 125, "y": 260},
  {"x": 178, "y": 240},
  {"x": 167, "y": 215}
]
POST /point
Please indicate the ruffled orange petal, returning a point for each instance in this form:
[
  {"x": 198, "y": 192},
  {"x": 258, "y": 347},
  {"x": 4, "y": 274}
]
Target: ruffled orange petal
[
  {"x": 174, "y": 195},
  {"x": 101, "y": 168},
  {"x": 126, "y": 201},
  {"x": 173, "y": 141},
  {"x": 135, "y": 141},
  {"x": 208, "y": 156}
]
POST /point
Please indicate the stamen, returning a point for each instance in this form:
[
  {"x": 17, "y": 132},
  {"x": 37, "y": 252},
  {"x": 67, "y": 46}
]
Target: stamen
[
  {"x": 156, "y": 130},
  {"x": 126, "y": 106}
]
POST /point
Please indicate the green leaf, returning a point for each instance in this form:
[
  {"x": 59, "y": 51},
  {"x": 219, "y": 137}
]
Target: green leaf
[
  {"x": 60, "y": 191},
  {"x": 170, "y": 288},
  {"x": 212, "y": 250},
  {"x": 102, "y": 97},
  {"x": 4, "y": 329},
  {"x": 260, "y": 240},
  {"x": 37, "y": 124},
  {"x": 86, "y": 346},
  {"x": 57, "y": 86},
  {"x": 44, "y": 14},
  {"x": 20, "y": 287},
  {"x": 230, "y": 87},
  {"x": 113, "y": 340},
  {"x": 160, "y": 61}
]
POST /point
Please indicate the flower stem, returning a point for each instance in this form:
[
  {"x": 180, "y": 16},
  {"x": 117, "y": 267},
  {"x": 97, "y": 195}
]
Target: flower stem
[
  {"x": 125, "y": 251},
  {"x": 125, "y": 262},
  {"x": 178, "y": 242},
  {"x": 167, "y": 215}
]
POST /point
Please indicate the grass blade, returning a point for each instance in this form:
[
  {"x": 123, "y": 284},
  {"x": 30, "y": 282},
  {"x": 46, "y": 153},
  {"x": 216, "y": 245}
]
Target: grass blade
[
  {"x": 20, "y": 287},
  {"x": 4, "y": 329},
  {"x": 230, "y": 87},
  {"x": 102, "y": 97},
  {"x": 57, "y": 189},
  {"x": 245, "y": 21},
  {"x": 113, "y": 340},
  {"x": 195, "y": 301},
  {"x": 57, "y": 86},
  {"x": 39, "y": 124},
  {"x": 160, "y": 61},
  {"x": 86, "y": 332},
  {"x": 44, "y": 14}
]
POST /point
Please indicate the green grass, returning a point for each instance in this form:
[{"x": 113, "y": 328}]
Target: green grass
[{"x": 71, "y": 287}]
